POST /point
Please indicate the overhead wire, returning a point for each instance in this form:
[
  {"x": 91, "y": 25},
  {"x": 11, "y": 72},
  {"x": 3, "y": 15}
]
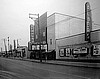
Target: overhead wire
[
  {"x": 84, "y": 12},
  {"x": 90, "y": 10}
]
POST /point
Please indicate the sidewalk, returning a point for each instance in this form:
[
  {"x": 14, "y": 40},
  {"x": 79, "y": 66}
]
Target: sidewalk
[
  {"x": 63, "y": 63},
  {"x": 66, "y": 63}
]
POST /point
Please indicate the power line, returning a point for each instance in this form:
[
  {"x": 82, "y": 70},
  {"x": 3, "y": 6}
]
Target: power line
[
  {"x": 97, "y": 24},
  {"x": 84, "y": 12},
  {"x": 71, "y": 17},
  {"x": 90, "y": 10}
]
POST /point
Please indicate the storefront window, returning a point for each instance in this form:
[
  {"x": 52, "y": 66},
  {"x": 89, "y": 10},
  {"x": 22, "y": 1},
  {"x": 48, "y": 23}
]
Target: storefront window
[
  {"x": 50, "y": 41},
  {"x": 61, "y": 52},
  {"x": 67, "y": 51},
  {"x": 96, "y": 50},
  {"x": 83, "y": 50},
  {"x": 76, "y": 51}
]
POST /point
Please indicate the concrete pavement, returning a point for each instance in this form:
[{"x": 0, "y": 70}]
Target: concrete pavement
[
  {"x": 66, "y": 63},
  {"x": 36, "y": 70}
]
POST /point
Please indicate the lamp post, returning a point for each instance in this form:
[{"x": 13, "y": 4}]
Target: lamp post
[{"x": 40, "y": 53}]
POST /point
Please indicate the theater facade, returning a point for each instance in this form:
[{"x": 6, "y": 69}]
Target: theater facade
[{"x": 66, "y": 35}]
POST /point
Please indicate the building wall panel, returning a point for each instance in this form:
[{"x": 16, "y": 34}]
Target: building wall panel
[
  {"x": 68, "y": 25},
  {"x": 77, "y": 40},
  {"x": 51, "y": 32},
  {"x": 95, "y": 36}
]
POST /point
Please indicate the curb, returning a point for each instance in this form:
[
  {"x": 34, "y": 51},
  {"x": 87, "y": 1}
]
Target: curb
[
  {"x": 85, "y": 65},
  {"x": 68, "y": 64},
  {"x": 73, "y": 65}
]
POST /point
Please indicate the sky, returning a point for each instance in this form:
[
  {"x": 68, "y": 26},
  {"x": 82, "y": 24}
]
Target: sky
[{"x": 15, "y": 21}]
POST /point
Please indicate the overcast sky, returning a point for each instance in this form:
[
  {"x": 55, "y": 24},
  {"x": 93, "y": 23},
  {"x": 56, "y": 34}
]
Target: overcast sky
[{"x": 14, "y": 15}]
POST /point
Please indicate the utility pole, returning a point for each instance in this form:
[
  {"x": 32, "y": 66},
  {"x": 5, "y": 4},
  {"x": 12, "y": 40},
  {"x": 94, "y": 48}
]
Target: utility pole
[
  {"x": 14, "y": 45},
  {"x": 10, "y": 48},
  {"x": 39, "y": 40},
  {"x": 8, "y": 44},
  {"x": 17, "y": 43},
  {"x": 5, "y": 46},
  {"x": 1, "y": 49},
  {"x": 14, "y": 48}
]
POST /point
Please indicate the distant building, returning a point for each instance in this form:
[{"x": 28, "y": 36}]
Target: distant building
[{"x": 22, "y": 51}]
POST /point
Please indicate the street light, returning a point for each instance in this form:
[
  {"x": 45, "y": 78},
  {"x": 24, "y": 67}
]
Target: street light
[{"x": 39, "y": 33}]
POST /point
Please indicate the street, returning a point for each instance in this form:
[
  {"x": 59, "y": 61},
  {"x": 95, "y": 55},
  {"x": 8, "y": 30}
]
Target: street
[{"x": 17, "y": 69}]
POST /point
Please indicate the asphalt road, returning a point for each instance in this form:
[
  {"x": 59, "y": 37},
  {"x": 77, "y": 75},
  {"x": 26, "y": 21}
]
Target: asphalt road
[{"x": 17, "y": 69}]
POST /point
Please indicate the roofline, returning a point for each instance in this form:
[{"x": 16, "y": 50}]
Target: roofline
[
  {"x": 51, "y": 15},
  {"x": 65, "y": 15},
  {"x": 77, "y": 34}
]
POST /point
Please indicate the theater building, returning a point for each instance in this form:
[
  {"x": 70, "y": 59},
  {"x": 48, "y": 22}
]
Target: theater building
[
  {"x": 66, "y": 35},
  {"x": 38, "y": 39}
]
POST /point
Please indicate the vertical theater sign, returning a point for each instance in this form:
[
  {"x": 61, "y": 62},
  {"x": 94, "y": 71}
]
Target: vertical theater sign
[
  {"x": 31, "y": 33},
  {"x": 88, "y": 22}
]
